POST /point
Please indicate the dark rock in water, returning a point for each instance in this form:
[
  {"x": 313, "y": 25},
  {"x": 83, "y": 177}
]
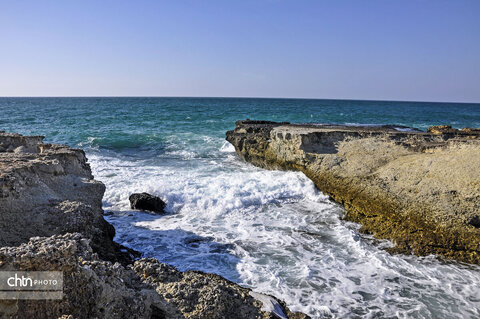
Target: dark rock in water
[
  {"x": 94, "y": 288},
  {"x": 48, "y": 189},
  {"x": 145, "y": 201},
  {"x": 475, "y": 221},
  {"x": 51, "y": 219}
]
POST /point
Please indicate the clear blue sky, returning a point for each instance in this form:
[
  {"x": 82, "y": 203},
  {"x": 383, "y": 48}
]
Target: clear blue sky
[{"x": 394, "y": 50}]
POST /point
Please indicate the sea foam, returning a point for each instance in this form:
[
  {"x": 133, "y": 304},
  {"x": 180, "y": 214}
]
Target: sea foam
[{"x": 275, "y": 232}]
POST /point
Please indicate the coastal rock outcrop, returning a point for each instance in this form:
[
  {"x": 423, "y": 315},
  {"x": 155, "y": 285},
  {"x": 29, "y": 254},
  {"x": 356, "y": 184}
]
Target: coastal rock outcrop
[
  {"x": 448, "y": 129},
  {"x": 48, "y": 189},
  {"x": 420, "y": 190},
  {"x": 51, "y": 219},
  {"x": 145, "y": 201},
  {"x": 93, "y": 288}
]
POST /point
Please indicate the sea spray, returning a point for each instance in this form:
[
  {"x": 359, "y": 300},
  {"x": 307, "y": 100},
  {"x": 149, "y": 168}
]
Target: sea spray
[{"x": 269, "y": 230}]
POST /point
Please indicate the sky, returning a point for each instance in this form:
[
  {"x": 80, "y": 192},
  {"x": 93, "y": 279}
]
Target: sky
[{"x": 378, "y": 50}]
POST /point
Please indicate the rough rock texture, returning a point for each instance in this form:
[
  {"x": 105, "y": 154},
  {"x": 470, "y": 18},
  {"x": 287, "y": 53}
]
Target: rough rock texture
[
  {"x": 99, "y": 289},
  {"x": 448, "y": 130},
  {"x": 145, "y": 201},
  {"x": 48, "y": 190},
  {"x": 199, "y": 295},
  {"x": 92, "y": 288},
  {"x": 420, "y": 190}
]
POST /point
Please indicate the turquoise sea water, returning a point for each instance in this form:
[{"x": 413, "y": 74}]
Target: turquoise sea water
[
  {"x": 269, "y": 230},
  {"x": 146, "y": 123}
]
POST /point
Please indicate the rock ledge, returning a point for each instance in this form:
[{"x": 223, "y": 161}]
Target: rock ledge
[
  {"x": 51, "y": 219},
  {"x": 420, "y": 190}
]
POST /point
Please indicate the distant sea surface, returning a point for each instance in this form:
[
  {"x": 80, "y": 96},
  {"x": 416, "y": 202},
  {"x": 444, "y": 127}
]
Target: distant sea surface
[{"x": 269, "y": 230}]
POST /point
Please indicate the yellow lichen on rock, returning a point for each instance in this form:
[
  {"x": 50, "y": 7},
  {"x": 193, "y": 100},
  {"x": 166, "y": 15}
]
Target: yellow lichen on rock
[{"x": 420, "y": 190}]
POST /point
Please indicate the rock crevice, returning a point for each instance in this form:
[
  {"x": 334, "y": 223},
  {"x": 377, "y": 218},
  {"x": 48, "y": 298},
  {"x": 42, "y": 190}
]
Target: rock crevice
[
  {"x": 420, "y": 190},
  {"x": 51, "y": 219}
]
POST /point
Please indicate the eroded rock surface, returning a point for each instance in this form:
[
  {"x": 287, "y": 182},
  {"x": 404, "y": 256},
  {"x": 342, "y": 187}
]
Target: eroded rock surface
[
  {"x": 48, "y": 190},
  {"x": 94, "y": 288},
  {"x": 420, "y": 190}
]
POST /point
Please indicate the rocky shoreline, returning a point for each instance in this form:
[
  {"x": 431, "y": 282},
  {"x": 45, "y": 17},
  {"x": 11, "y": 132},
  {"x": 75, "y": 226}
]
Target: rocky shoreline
[
  {"x": 421, "y": 190},
  {"x": 51, "y": 219}
]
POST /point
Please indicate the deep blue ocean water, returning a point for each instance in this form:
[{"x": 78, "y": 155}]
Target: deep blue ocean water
[
  {"x": 146, "y": 123},
  {"x": 269, "y": 230}
]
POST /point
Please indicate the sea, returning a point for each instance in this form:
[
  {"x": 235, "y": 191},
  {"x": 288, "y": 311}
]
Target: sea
[{"x": 272, "y": 231}]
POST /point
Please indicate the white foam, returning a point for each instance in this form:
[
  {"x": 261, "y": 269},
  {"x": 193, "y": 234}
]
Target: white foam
[
  {"x": 274, "y": 232},
  {"x": 227, "y": 148},
  {"x": 269, "y": 304}
]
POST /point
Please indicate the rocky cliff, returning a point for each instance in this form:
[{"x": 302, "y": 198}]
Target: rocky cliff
[
  {"x": 420, "y": 190},
  {"x": 48, "y": 190},
  {"x": 94, "y": 288}
]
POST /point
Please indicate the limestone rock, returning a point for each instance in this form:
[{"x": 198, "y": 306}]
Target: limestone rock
[
  {"x": 447, "y": 129},
  {"x": 471, "y": 130},
  {"x": 420, "y": 190},
  {"x": 94, "y": 288},
  {"x": 199, "y": 295},
  {"x": 48, "y": 189},
  {"x": 441, "y": 129}
]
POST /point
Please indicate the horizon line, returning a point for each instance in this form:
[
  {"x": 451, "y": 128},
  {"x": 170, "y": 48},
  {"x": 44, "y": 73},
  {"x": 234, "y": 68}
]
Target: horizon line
[{"x": 231, "y": 97}]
